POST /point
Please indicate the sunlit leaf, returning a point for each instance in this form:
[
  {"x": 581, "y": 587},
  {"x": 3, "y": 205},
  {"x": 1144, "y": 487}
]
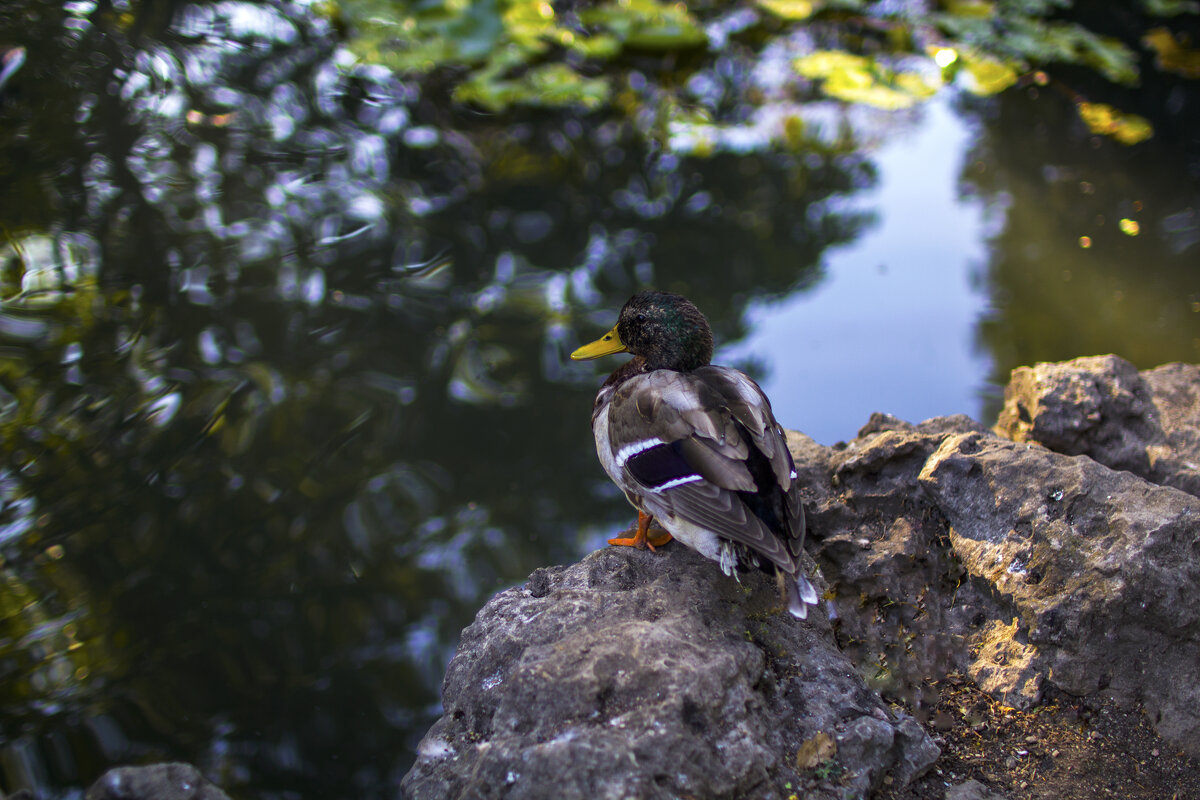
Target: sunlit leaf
[
  {"x": 876, "y": 95},
  {"x": 598, "y": 46},
  {"x": 552, "y": 85},
  {"x": 789, "y": 9},
  {"x": 1107, "y": 121},
  {"x": 971, "y": 8},
  {"x": 857, "y": 79},
  {"x": 985, "y": 75},
  {"x": 849, "y": 79},
  {"x": 558, "y": 85},
  {"x": 824, "y": 63},
  {"x": 531, "y": 24},
  {"x": 647, "y": 24},
  {"x": 1173, "y": 56},
  {"x": 916, "y": 85}
]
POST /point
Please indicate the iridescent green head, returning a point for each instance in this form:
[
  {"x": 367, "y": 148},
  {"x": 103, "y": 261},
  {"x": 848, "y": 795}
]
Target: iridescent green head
[{"x": 666, "y": 330}]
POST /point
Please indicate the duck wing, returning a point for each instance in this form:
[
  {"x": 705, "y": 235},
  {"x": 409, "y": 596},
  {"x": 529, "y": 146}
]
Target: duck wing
[{"x": 704, "y": 447}]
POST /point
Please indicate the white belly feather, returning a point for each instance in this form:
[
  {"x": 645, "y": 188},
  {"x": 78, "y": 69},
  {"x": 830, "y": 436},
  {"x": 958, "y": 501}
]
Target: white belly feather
[
  {"x": 603, "y": 448},
  {"x": 703, "y": 541}
]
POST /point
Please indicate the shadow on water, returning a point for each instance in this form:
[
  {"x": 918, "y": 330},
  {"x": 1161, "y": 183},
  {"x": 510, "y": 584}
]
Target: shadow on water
[{"x": 285, "y": 392}]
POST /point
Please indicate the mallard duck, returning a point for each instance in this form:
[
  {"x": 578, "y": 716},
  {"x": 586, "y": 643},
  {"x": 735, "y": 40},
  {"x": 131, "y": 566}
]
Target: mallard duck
[{"x": 696, "y": 447}]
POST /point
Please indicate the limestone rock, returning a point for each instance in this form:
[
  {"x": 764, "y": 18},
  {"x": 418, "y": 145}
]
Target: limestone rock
[
  {"x": 1007, "y": 668},
  {"x": 1145, "y": 422},
  {"x": 1100, "y": 566},
  {"x": 638, "y": 674},
  {"x": 951, "y": 550},
  {"x": 972, "y": 790},
  {"x": 905, "y": 613},
  {"x": 155, "y": 782},
  {"x": 1175, "y": 389}
]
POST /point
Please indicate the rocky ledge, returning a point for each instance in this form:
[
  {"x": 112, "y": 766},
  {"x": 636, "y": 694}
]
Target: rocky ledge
[
  {"x": 639, "y": 674},
  {"x": 1058, "y": 553}
]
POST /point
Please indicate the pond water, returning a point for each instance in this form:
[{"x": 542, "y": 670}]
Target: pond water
[
  {"x": 284, "y": 387},
  {"x": 891, "y": 326}
]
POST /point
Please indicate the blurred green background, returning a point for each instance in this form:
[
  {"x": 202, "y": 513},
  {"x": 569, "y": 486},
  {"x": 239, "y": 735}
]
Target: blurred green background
[{"x": 289, "y": 288}]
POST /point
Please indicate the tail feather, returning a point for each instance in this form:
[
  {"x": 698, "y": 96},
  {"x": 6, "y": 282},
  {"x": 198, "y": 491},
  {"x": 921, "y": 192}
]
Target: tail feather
[{"x": 800, "y": 595}]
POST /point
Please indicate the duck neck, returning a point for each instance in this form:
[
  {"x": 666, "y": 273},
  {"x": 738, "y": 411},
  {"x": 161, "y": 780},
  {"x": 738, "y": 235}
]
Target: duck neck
[{"x": 631, "y": 368}]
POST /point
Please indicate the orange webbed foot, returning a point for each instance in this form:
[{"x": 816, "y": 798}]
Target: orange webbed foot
[{"x": 642, "y": 539}]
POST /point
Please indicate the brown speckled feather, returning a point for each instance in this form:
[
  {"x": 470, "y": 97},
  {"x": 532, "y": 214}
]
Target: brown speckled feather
[
  {"x": 695, "y": 446},
  {"x": 722, "y": 422}
]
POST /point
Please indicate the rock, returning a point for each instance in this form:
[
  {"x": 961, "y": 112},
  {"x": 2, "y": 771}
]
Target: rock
[
  {"x": 972, "y": 790},
  {"x": 1176, "y": 392},
  {"x": 905, "y": 614},
  {"x": 1145, "y": 422},
  {"x": 950, "y": 550},
  {"x": 946, "y": 550},
  {"x": 1099, "y": 566},
  {"x": 1007, "y": 668},
  {"x": 155, "y": 782},
  {"x": 638, "y": 674}
]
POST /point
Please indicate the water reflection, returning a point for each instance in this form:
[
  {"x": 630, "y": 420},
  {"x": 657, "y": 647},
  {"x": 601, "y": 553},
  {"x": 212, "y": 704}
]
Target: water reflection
[
  {"x": 891, "y": 325},
  {"x": 284, "y": 386},
  {"x": 287, "y": 394},
  {"x": 1097, "y": 252}
]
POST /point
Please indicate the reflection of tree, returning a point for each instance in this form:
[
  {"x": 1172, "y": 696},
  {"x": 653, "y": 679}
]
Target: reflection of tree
[
  {"x": 303, "y": 404},
  {"x": 1131, "y": 290}
]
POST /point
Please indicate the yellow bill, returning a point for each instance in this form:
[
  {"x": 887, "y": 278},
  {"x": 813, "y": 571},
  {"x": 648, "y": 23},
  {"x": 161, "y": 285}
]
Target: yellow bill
[{"x": 606, "y": 344}]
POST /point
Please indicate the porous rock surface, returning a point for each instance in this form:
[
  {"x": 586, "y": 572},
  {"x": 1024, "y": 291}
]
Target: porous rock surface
[
  {"x": 951, "y": 549},
  {"x": 1099, "y": 568},
  {"x": 1145, "y": 422},
  {"x": 172, "y": 781},
  {"x": 639, "y": 674},
  {"x": 972, "y": 790}
]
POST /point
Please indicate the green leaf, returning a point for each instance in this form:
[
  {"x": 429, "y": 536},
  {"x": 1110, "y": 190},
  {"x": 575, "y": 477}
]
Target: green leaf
[
  {"x": 549, "y": 86},
  {"x": 647, "y": 24},
  {"x": 1173, "y": 56},
  {"x": 1170, "y": 8},
  {"x": 858, "y": 79},
  {"x": 824, "y": 63},
  {"x": 789, "y": 9},
  {"x": 985, "y": 75},
  {"x": 979, "y": 9},
  {"x": 530, "y": 23},
  {"x": 1108, "y": 121},
  {"x": 1073, "y": 44}
]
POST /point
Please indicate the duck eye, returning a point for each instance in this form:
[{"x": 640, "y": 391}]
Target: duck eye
[{"x": 641, "y": 317}]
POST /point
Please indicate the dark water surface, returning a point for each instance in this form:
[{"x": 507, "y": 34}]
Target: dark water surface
[{"x": 284, "y": 386}]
